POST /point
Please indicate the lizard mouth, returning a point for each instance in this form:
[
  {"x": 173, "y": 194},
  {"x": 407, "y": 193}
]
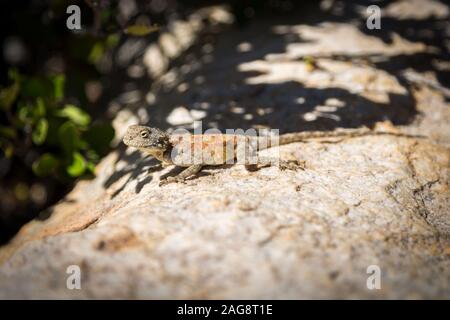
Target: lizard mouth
[{"x": 139, "y": 145}]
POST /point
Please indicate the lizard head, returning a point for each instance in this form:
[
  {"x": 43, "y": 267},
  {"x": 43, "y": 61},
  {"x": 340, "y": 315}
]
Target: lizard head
[{"x": 147, "y": 139}]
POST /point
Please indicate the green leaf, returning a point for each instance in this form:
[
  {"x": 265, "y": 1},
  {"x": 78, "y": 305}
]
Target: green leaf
[
  {"x": 99, "y": 137},
  {"x": 14, "y": 75},
  {"x": 140, "y": 30},
  {"x": 7, "y": 148},
  {"x": 68, "y": 137},
  {"x": 39, "y": 109},
  {"x": 24, "y": 111},
  {"x": 8, "y": 95},
  {"x": 112, "y": 40},
  {"x": 58, "y": 86},
  {"x": 54, "y": 124},
  {"x": 40, "y": 131},
  {"x": 9, "y": 151},
  {"x": 78, "y": 165},
  {"x": 90, "y": 166},
  {"x": 7, "y": 132},
  {"x": 97, "y": 51},
  {"x": 92, "y": 155},
  {"x": 35, "y": 87},
  {"x": 45, "y": 164},
  {"x": 75, "y": 114}
]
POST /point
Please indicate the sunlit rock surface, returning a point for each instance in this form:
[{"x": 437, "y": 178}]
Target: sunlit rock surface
[{"x": 370, "y": 201}]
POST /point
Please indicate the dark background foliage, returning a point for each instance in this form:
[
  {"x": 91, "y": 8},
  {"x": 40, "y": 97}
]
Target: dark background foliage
[{"x": 53, "y": 124}]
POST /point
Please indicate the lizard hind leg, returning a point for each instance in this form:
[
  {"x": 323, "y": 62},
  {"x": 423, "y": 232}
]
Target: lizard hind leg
[
  {"x": 282, "y": 164},
  {"x": 269, "y": 161},
  {"x": 186, "y": 173}
]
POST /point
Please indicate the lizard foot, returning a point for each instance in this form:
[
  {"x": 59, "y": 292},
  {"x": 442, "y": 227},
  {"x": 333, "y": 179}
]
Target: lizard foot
[
  {"x": 170, "y": 180},
  {"x": 291, "y": 165}
]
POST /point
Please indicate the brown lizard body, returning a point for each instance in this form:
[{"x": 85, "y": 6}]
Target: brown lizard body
[{"x": 195, "y": 151}]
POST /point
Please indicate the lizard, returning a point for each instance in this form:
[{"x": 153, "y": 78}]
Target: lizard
[{"x": 194, "y": 151}]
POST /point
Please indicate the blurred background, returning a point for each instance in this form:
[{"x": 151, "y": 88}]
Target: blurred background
[{"x": 62, "y": 90}]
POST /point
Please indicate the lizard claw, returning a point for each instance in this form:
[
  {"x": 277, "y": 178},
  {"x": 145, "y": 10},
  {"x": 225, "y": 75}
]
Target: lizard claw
[
  {"x": 170, "y": 180},
  {"x": 291, "y": 165}
]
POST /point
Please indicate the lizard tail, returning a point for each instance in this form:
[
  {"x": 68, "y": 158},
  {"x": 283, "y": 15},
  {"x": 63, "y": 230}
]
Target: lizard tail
[
  {"x": 300, "y": 136},
  {"x": 265, "y": 142}
]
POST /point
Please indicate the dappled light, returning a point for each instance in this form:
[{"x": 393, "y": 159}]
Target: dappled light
[{"x": 359, "y": 92}]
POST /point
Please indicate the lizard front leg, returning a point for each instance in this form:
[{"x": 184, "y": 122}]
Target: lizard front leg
[{"x": 193, "y": 169}]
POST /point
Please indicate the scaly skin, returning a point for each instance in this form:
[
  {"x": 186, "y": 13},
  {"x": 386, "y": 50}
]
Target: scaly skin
[{"x": 196, "y": 151}]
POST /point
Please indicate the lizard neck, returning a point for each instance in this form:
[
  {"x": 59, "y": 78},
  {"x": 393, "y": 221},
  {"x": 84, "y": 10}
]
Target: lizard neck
[
  {"x": 160, "y": 154},
  {"x": 167, "y": 155}
]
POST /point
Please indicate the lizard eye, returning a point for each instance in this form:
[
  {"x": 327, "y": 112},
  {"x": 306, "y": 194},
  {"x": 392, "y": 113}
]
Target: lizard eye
[{"x": 144, "y": 134}]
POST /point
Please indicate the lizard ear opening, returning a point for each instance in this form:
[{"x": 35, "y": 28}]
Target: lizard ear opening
[{"x": 163, "y": 140}]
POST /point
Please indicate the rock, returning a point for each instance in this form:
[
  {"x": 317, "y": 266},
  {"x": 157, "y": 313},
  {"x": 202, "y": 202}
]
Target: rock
[
  {"x": 416, "y": 9},
  {"x": 268, "y": 234},
  {"x": 182, "y": 34},
  {"x": 169, "y": 45},
  {"x": 360, "y": 204},
  {"x": 179, "y": 115},
  {"x": 155, "y": 61},
  {"x": 352, "y": 41}
]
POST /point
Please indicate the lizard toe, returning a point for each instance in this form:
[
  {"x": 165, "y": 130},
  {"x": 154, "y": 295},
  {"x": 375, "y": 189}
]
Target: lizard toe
[
  {"x": 291, "y": 165},
  {"x": 171, "y": 180}
]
